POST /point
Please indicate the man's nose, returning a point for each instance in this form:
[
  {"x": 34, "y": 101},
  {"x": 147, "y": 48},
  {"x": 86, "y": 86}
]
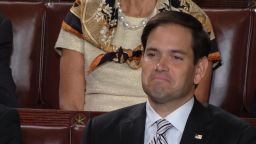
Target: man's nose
[{"x": 162, "y": 65}]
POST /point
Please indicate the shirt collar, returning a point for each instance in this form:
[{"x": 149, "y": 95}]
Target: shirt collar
[{"x": 177, "y": 118}]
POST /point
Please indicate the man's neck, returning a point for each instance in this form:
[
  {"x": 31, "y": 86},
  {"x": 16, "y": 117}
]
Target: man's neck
[{"x": 165, "y": 109}]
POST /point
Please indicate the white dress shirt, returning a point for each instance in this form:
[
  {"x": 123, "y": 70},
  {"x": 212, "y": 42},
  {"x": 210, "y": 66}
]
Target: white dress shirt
[{"x": 177, "y": 118}]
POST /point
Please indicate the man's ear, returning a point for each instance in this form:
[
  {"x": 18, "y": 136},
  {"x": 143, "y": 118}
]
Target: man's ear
[{"x": 201, "y": 68}]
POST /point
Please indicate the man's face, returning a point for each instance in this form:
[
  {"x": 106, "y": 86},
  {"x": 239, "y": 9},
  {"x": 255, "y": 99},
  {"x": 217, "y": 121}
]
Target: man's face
[{"x": 168, "y": 68}]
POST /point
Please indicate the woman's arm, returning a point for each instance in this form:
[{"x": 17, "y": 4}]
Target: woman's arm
[
  {"x": 72, "y": 80},
  {"x": 202, "y": 92}
]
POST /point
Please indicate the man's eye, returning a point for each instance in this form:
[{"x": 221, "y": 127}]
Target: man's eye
[
  {"x": 150, "y": 54},
  {"x": 177, "y": 57}
]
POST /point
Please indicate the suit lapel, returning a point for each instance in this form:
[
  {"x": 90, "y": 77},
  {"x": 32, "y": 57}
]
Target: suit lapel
[
  {"x": 196, "y": 130},
  {"x": 132, "y": 130}
]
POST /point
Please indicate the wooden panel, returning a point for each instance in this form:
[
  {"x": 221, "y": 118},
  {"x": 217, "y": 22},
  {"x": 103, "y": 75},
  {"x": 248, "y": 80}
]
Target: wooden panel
[{"x": 50, "y": 117}]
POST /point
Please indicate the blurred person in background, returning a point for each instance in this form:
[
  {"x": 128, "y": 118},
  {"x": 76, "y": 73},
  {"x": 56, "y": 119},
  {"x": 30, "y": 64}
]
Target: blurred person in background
[
  {"x": 7, "y": 86},
  {"x": 10, "y": 131}
]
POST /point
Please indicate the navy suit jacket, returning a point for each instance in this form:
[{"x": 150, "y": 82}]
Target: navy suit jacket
[
  {"x": 7, "y": 86},
  {"x": 126, "y": 126}
]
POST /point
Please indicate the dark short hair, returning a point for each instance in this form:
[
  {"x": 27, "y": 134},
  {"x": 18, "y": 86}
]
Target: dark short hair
[{"x": 200, "y": 39}]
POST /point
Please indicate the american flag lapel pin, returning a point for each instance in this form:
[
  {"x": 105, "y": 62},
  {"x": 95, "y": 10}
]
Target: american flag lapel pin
[{"x": 198, "y": 136}]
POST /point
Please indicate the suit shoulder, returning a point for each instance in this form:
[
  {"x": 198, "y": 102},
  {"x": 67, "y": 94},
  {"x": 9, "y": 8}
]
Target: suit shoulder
[
  {"x": 120, "y": 115},
  {"x": 229, "y": 129},
  {"x": 224, "y": 119}
]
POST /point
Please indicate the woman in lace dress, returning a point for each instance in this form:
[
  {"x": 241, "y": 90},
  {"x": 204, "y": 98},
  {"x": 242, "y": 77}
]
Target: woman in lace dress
[{"x": 100, "y": 50}]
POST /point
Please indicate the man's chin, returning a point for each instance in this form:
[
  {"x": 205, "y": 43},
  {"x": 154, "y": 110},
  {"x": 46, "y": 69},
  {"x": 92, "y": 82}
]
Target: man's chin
[
  {"x": 159, "y": 96},
  {"x": 160, "y": 86}
]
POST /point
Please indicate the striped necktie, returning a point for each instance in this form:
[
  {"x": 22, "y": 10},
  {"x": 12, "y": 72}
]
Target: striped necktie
[{"x": 162, "y": 127}]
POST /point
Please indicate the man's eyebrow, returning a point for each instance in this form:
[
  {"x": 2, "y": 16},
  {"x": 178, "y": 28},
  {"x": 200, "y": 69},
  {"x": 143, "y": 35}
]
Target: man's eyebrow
[
  {"x": 151, "y": 49},
  {"x": 178, "y": 51}
]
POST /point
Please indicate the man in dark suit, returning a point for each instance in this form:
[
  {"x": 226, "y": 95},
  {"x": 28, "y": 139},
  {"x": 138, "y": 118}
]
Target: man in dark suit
[
  {"x": 10, "y": 132},
  {"x": 173, "y": 63},
  {"x": 7, "y": 86}
]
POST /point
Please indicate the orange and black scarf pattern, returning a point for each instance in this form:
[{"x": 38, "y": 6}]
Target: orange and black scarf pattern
[{"x": 108, "y": 18}]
